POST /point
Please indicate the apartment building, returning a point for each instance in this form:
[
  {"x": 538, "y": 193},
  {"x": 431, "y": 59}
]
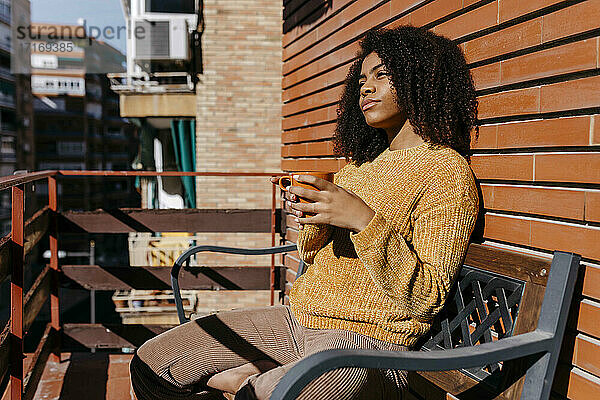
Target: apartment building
[
  {"x": 77, "y": 121},
  {"x": 16, "y": 112}
]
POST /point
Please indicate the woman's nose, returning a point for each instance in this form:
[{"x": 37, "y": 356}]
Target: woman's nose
[{"x": 366, "y": 89}]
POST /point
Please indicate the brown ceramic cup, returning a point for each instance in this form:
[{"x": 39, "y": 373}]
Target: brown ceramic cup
[{"x": 288, "y": 180}]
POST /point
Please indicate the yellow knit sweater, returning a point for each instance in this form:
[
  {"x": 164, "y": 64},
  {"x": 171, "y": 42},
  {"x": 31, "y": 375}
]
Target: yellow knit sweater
[{"x": 389, "y": 280}]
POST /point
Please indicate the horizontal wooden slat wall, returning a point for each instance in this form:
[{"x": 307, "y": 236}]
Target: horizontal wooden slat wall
[{"x": 536, "y": 66}]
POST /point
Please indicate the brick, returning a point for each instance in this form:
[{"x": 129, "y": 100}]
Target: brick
[
  {"x": 400, "y": 6},
  {"x": 570, "y": 131},
  {"x": 510, "y": 9},
  {"x": 326, "y": 165},
  {"x": 433, "y": 11},
  {"x": 325, "y": 114},
  {"x": 571, "y": 57},
  {"x": 486, "y": 76},
  {"x": 347, "y": 33},
  {"x": 541, "y": 201},
  {"x": 308, "y": 149},
  {"x": 507, "y": 229},
  {"x": 512, "y": 102},
  {"x": 507, "y": 40},
  {"x": 571, "y": 20},
  {"x": 512, "y": 167},
  {"x": 570, "y": 167},
  {"x": 296, "y": 72},
  {"x": 298, "y": 31},
  {"x": 319, "y": 99},
  {"x": 487, "y": 138},
  {"x": 310, "y": 133},
  {"x": 321, "y": 81},
  {"x": 592, "y": 206},
  {"x": 595, "y": 130},
  {"x": 472, "y": 21},
  {"x": 574, "y": 94},
  {"x": 557, "y": 236}
]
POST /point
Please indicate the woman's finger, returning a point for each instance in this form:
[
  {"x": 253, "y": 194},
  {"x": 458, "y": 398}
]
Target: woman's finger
[
  {"x": 312, "y": 208},
  {"x": 290, "y": 208},
  {"x": 316, "y": 219},
  {"x": 309, "y": 194},
  {"x": 319, "y": 183}
]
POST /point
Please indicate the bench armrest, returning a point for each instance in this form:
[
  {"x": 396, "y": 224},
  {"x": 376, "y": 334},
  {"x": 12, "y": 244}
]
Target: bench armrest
[
  {"x": 183, "y": 258},
  {"x": 313, "y": 366}
]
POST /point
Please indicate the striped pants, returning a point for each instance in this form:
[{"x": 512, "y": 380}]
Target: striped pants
[{"x": 177, "y": 364}]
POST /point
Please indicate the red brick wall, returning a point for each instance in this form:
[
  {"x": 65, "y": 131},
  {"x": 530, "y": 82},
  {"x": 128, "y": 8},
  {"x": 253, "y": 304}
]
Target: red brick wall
[
  {"x": 536, "y": 69},
  {"x": 239, "y": 101},
  {"x": 239, "y": 113}
]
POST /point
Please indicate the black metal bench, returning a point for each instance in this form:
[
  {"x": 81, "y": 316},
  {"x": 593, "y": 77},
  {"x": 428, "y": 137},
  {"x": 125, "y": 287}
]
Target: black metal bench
[{"x": 492, "y": 339}]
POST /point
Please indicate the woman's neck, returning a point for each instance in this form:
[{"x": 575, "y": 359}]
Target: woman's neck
[{"x": 405, "y": 138}]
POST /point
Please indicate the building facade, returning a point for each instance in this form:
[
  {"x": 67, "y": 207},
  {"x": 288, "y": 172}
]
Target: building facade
[
  {"x": 16, "y": 111},
  {"x": 77, "y": 121}
]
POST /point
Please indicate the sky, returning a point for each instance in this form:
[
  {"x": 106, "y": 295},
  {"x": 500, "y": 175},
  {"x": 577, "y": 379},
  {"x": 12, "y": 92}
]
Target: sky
[{"x": 99, "y": 13}]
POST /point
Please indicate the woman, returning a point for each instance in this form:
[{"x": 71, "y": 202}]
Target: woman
[{"x": 383, "y": 242}]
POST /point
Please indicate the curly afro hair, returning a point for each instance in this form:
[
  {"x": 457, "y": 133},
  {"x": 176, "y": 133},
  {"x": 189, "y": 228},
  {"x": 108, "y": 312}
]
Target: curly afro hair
[{"x": 432, "y": 82}]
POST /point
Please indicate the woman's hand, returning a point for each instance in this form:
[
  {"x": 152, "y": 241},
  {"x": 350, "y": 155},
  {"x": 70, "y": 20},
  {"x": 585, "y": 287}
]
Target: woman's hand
[{"x": 331, "y": 205}]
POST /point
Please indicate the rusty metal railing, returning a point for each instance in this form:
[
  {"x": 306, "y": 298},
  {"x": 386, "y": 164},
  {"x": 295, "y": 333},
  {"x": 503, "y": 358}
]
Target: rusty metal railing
[{"x": 14, "y": 336}]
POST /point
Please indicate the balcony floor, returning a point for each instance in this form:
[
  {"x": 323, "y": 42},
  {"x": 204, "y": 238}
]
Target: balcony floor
[{"x": 87, "y": 376}]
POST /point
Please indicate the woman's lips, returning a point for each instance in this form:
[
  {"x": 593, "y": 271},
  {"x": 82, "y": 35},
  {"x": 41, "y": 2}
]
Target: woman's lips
[{"x": 368, "y": 105}]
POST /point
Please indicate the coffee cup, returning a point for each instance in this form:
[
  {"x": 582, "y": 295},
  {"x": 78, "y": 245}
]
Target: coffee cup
[{"x": 288, "y": 180}]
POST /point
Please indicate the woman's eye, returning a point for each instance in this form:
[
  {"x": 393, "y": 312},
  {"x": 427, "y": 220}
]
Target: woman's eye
[{"x": 381, "y": 74}]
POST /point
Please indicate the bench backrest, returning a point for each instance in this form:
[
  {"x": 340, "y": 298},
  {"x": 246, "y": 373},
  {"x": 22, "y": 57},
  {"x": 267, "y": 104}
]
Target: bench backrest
[{"x": 498, "y": 294}]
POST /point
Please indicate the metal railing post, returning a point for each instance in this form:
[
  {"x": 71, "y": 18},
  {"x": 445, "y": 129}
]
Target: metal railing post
[
  {"x": 54, "y": 286},
  {"x": 273, "y": 222},
  {"x": 16, "y": 294}
]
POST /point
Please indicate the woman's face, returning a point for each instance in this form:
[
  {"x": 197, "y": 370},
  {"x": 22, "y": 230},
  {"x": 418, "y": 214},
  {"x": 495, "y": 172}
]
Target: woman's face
[{"x": 377, "y": 98}]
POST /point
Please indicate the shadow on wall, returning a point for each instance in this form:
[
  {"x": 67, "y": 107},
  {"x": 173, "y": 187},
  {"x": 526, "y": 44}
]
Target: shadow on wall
[{"x": 303, "y": 12}]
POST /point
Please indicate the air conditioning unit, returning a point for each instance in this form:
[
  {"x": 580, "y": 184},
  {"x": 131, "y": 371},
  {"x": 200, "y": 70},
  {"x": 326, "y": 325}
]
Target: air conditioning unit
[{"x": 159, "y": 39}]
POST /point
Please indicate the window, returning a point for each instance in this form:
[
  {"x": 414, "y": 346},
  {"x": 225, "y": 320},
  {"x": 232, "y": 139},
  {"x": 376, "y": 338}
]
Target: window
[
  {"x": 171, "y": 6},
  {"x": 5, "y": 9},
  {"x": 8, "y": 146},
  {"x": 71, "y": 148}
]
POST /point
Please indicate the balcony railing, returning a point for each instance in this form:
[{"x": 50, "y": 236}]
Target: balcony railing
[
  {"x": 157, "y": 82},
  {"x": 52, "y": 222}
]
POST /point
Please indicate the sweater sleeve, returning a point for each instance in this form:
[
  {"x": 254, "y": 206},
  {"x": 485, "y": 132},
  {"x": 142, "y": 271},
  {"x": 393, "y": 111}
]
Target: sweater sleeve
[
  {"x": 418, "y": 274},
  {"x": 311, "y": 239}
]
